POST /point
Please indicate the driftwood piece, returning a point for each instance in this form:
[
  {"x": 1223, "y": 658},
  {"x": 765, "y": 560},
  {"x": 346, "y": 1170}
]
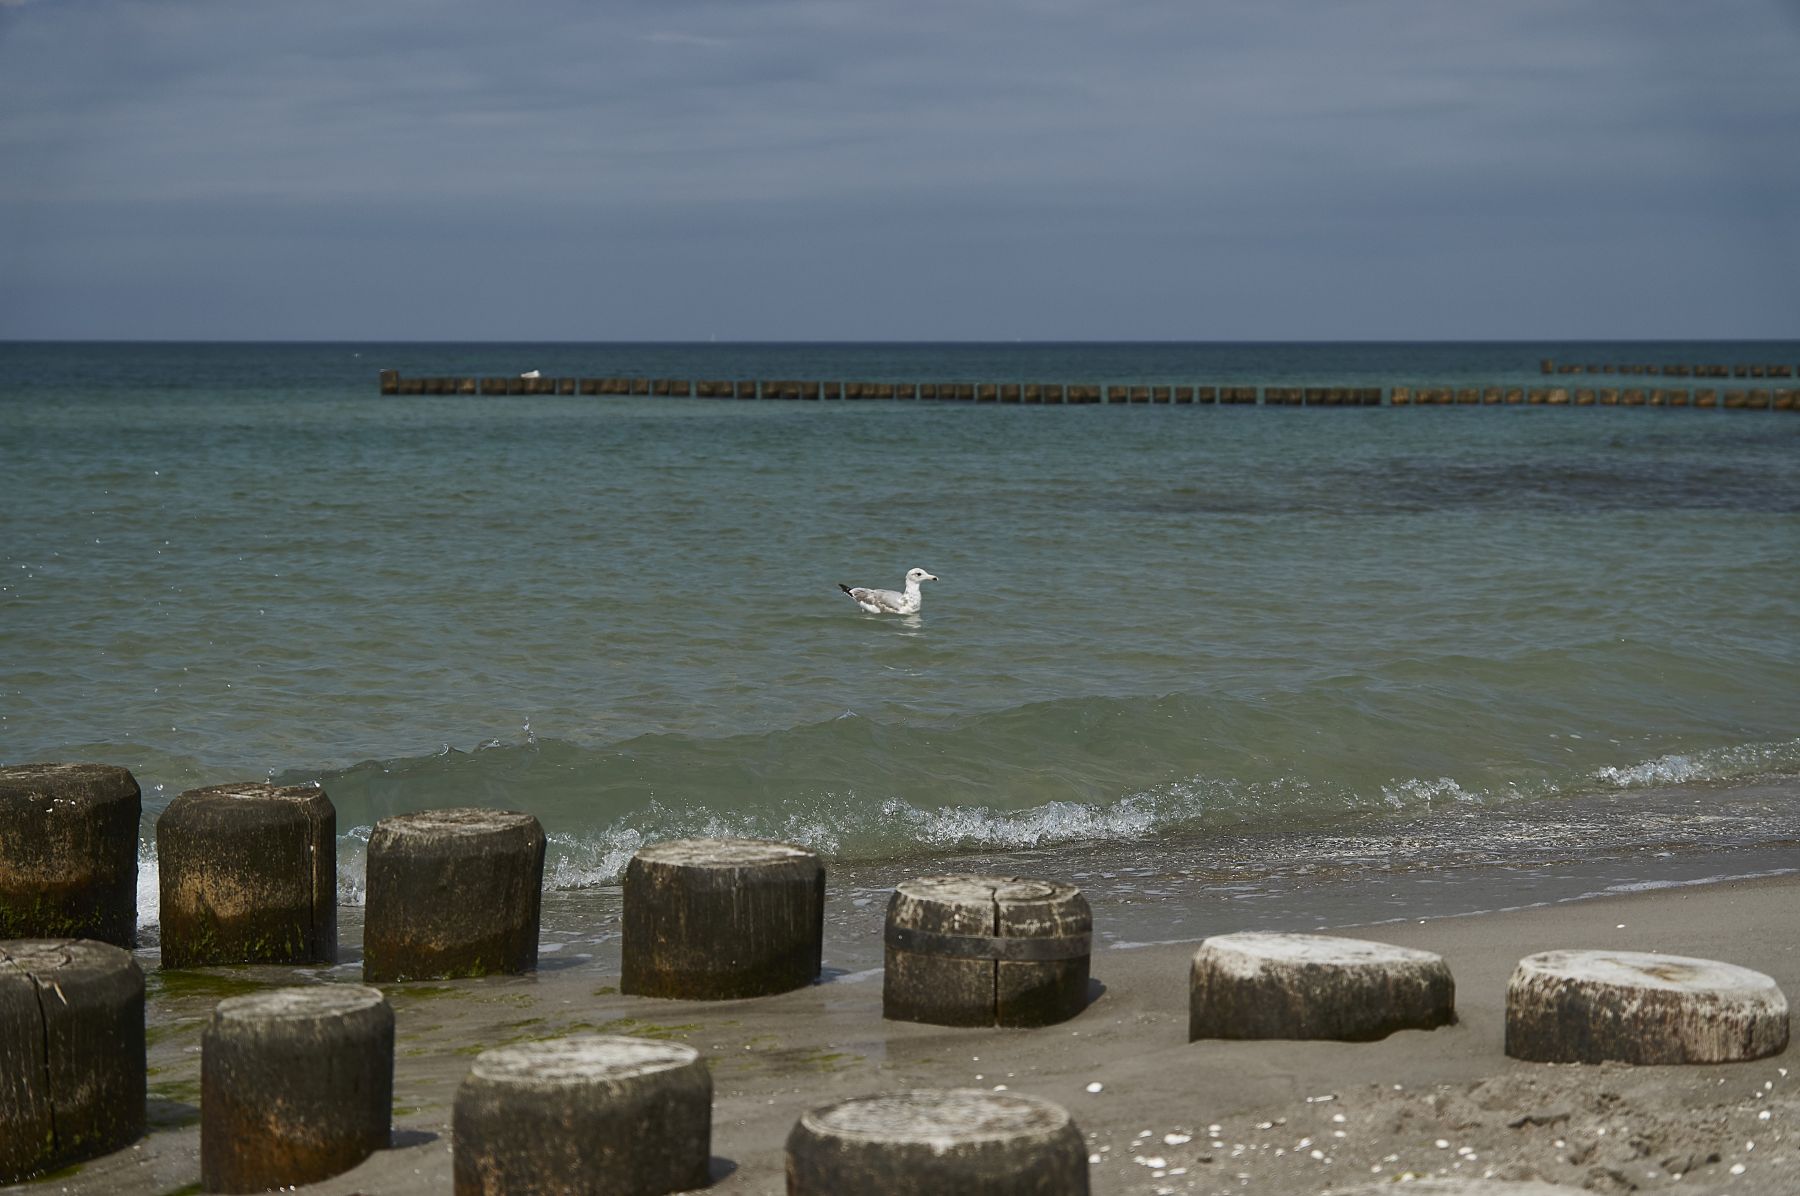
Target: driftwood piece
[
  {"x": 986, "y": 950},
  {"x": 715, "y": 919},
  {"x": 71, "y": 1053},
  {"x": 248, "y": 874},
  {"x": 68, "y": 852},
  {"x": 296, "y": 1085},
  {"x": 453, "y": 893},
  {"x": 595, "y": 1114},
  {"x": 1633, "y": 1007},
  {"x": 1257, "y": 985},
  {"x": 936, "y": 1142}
]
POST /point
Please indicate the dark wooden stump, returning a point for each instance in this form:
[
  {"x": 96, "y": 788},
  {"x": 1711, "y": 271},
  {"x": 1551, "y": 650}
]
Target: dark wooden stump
[
  {"x": 71, "y": 1053},
  {"x": 715, "y": 919},
  {"x": 296, "y": 1085},
  {"x": 937, "y": 1142},
  {"x": 248, "y": 874},
  {"x": 594, "y": 1115},
  {"x": 1257, "y": 985},
  {"x": 68, "y": 852},
  {"x": 1633, "y": 1007},
  {"x": 986, "y": 951},
  {"x": 453, "y": 893}
]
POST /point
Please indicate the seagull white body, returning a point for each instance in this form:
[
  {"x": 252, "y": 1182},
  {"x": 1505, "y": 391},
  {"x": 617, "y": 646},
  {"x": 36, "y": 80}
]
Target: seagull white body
[{"x": 891, "y": 602}]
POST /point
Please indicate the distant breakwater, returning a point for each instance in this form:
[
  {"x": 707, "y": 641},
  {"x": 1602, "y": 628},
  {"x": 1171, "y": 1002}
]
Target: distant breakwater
[{"x": 1736, "y": 399}]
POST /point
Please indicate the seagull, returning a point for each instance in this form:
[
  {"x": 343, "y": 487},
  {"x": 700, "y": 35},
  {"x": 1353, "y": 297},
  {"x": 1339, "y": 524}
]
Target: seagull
[{"x": 887, "y": 602}]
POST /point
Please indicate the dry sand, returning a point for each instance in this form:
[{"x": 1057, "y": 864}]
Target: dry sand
[{"x": 1169, "y": 1116}]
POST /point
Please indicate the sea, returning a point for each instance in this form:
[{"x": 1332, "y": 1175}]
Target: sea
[{"x": 1223, "y": 666}]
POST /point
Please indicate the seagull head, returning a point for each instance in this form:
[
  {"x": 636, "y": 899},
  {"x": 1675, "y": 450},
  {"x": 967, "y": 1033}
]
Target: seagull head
[{"x": 914, "y": 576}]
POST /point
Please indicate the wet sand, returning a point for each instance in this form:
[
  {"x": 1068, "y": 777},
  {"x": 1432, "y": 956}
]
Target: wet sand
[{"x": 1280, "y": 1117}]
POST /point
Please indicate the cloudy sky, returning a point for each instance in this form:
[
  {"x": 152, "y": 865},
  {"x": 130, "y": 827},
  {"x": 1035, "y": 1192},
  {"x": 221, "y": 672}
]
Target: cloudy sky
[{"x": 847, "y": 169}]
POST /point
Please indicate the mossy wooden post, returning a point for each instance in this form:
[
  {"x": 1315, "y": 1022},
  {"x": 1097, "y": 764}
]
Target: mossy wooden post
[
  {"x": 715, "y": 919},
  {"x": 248, "y": 874},
  {"x": 71, "y": 1053},
  {"x": 68, "y": 852},
  {"x": 595, "y": 1115},
  {"x": 1634, "y": 1007},
  {"x": 1256, "y": 985},
  {"x": 934, "y": 1142},
  {"x": 453, "y": 893},
  {"x": 296, "y": 1086},
  {"x": 986, "y": 951}
]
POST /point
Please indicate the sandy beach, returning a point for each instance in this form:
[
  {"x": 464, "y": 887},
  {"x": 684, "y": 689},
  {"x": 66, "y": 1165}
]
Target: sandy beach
[{"x": 1169, "y": 1116}]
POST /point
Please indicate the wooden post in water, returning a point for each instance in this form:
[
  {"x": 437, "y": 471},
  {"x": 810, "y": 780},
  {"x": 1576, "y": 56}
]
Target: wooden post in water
[
  {"x": 68, "y": 852},
  {"x": 1256, "y": 985},
  {"x": 935, "y": 1142},
  {"x": 716, "y": 919},
  {"x": 594, "y": 1113},
  {"x": 296, "y": 1086},
  {"x": 986, "y": 951},
  {"x": 248, "y": 874},
  {"x": 453, "y": 892},
  {"x": 72, "y": 1071}
]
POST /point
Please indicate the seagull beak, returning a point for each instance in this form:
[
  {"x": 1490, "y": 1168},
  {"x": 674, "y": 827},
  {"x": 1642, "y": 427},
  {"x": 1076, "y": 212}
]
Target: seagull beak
[{"x": 930, "y": 577}]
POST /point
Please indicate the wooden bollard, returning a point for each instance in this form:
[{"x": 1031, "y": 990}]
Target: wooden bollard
[
  {"x": 1634, "y": 1007},
  {"x": 1160, "y": 394},
  {"x": 659, "y": 387},
  {"x": 72, "y": 1069},
  {"x": 716, "y": 919},
  {"x": 1140, "y": 394},
  {"x": 906, "y": 390},
  {"x": 986, "y": 951},
  {"x": 68, "y": 852},
  {"x": 594, "y": 1114},
  {"x": 248, "y": 874},
  {"x": 390, "y": 382},
  {"x": 296, "y": 1086},
  {"x": 831, "y": 390},
  {"x": 1401, "y": 396},
  {"x": 565, "y": 386},
  {"x": 1010, "y": 392},
  {"x": 591, "y": 386},
  {"x": 453, "y": 893},
  {"x": 933, "y": 1142},
  {"x": 1256, "y": 985},
  {"x": 987, "y": 392},
  {"x": 1515, "y": 395},
  {"x": 928, "y": 390}
]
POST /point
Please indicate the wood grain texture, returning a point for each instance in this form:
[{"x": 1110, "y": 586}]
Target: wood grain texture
[
  {"x": 248, "y": 874},
  {"x": 1636, "y": 1007},
  {"x": 936, "y": 1141},
  {"x": 592, "y": 1115},
  {"x": 68, "y": 852},
  {"x": 72, "y": 1074},
  {"x": 296, "y": 1085},
  {"x": 715, "y": 919},
  {"x": 455, "y": 892}
]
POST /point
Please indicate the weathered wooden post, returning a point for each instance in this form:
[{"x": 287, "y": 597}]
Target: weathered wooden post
[
  {"x": 1634, "y": 1007},
  {"x": 1401, "y": 396},
  {"x": 594, "y": 1114},
  {"x": 390, "y": 382},
  {"x": 716, "y": 919},
  {"x": 71, "y": 1053},
  {"x": 1009, "y": 392},
  {"x": 934, "y": 1142},
  {"x": 296, "y": 1086},
  {"x": 1140, "y": 394},
  {"x": 248, "y": 874},
  {"x": 453, "y": 893},
  {"x": 1256, "y": 985},
  {"x": 68, "y": 852},
  {"x": 986, "y": 951}
]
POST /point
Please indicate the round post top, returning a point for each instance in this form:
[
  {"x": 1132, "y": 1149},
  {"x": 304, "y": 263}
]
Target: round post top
[
  {"x": 1253, "y": 950},
  {"x": 983, "y": 890},
  {"x": 938, "y": 1117},
  {"x": 723, "y": 853},
  {"x": 1644, "y": 970},
  {"x": 456, "y": 822},
  {"x": 309, "y": 1003},
  {"x": 581, "y": 1059}
]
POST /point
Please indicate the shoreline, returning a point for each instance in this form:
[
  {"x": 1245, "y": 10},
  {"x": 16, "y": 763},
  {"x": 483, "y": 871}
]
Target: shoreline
[{"x": 776, "y": 1057}]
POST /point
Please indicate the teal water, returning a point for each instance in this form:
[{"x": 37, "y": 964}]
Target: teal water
[{"x": 236, "y": 561}]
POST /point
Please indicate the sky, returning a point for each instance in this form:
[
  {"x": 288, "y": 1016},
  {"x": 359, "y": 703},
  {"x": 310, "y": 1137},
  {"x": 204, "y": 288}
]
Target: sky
[{"x": 818, "y": 170}]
